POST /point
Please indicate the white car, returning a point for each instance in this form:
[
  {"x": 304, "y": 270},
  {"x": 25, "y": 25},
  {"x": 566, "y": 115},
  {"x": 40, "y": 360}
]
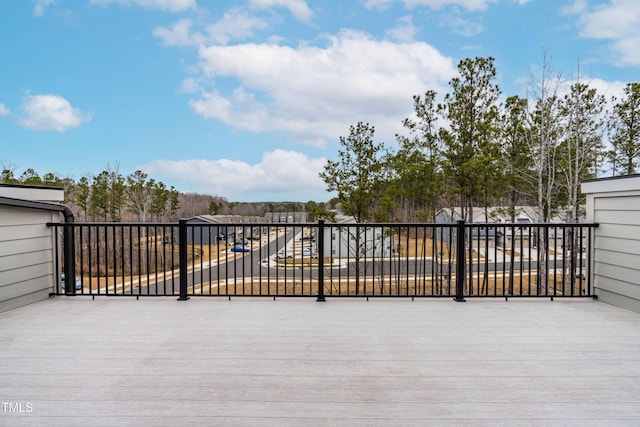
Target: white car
[
  {"x": 307, "y": 252},
  {"x": 282, "y": 254}
]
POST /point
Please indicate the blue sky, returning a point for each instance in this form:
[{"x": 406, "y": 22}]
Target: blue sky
[{"x": 247, "y": 99}]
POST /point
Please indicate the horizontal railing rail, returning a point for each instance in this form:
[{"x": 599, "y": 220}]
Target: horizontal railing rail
[{"x": 322, "y": 260}]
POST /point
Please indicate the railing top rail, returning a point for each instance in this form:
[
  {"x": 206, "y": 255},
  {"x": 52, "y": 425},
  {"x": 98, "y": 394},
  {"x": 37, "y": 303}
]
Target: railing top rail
[
  {"x": 326, "y": 224},
  {"x": 113, "y": 224},
  {"x": 533, "y": 224},
  {"x": 190, "y": 224},
  {"x": 466, "y": 224}
]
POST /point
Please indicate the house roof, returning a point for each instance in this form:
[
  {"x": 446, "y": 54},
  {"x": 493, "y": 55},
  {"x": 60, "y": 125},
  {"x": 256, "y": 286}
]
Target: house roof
[
  {"x": 226, "y": 219},
  {"x": 298, "y": 216},
  {"x": 38, "y": 193},
  {"x": 36, "y": 204},
  {"x": 611, "y": 184},
  {"x": 495, "y": 214}
]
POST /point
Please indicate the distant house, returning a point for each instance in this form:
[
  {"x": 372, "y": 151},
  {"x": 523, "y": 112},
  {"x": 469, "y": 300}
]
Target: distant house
[
  {"x": 211, "y": 229},
  {"x": 487, "y": 236},
  {"x": 500, "y": 236},
  {"x": 344, "y": 242},
  {"x": 286, "y": 217},
  {"x": 494, "y": 214}
]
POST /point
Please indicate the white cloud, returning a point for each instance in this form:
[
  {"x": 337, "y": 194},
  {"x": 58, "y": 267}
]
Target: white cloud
[
  {"x": 470, "y": 5},
  {"x": 298, "y": 8},
  {"x": 41, "y": 5},
  {"x": 280, "y": 175},
  {"x": 168, "y": 5},
  {"x": 437, "y": 4},
  {"x": 3, "y": 110},
  {"x": 315, "y": 93},
  {"x": 179, "y": 34},
  {"x": 405, "y": 31},
  {"x": 460, "y": 25},
  {"x": 451, "y": 17},
  {"x": 376, "y": 4},
  {"x": 50, "y": 112},
  {"x": 575, "y": 8},
  {"x": 235, "y": 24},
  {"x": 617, "y": 21},
  {"x": 606, "y": 88},
  {"x": 190, "y": 85}
]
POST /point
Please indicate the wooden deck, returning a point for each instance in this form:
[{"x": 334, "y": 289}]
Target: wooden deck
[{"x": 248, "y": 362}]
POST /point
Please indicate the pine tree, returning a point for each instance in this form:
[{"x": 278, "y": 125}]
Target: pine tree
[
  {"x": 624, "y": 128},
  {"x": 470, "y": 143},
  {"x": 417, "y": 164},
  {"x": 517, "y": 166},
  {"x": 356, "y": 174}
]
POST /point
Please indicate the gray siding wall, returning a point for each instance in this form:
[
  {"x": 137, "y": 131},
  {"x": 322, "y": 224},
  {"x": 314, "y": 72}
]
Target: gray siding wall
[
  {"x": 26, "y": 256},
  {"x": 615, "y": 205}
]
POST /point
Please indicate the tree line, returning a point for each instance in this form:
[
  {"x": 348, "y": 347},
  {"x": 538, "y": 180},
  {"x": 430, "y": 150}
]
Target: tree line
[
  {"x": 108, "y": 196},
  {"x": 111, "y": 197},
  {"x": 474, "y": 151}
]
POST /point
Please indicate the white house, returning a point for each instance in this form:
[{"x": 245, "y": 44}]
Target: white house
[
  {"x": 344, "y": 239},
  {"x": 286, "y": 217}
]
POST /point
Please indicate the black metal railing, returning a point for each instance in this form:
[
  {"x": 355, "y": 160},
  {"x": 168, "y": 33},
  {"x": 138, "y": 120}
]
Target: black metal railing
[{"x": 327, "y": 260}]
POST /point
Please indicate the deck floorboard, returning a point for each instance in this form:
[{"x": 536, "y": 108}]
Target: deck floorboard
[{"x": 157, "y": 361}]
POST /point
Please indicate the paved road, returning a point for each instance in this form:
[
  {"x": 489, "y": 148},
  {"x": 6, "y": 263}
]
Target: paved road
[{"x": 236, "y": 265}]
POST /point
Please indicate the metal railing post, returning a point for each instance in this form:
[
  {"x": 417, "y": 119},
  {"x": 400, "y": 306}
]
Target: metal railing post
[
  {"x": 69, "y": 259},
  {"x": 460, "y": 261},
  {"x": 182, "y": 248},
  {"x": 320, "y": 237}
]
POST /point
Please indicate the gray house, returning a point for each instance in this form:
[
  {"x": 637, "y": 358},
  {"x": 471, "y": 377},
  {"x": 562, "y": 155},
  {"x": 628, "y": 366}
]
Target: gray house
[
  {"x": 27, "y": 245},
  {"x": 489, "y": 236},
  {"x": 494, "y": 214},
  {"x": 211, "y": 229},
  {"x": 614, "y": 203}
]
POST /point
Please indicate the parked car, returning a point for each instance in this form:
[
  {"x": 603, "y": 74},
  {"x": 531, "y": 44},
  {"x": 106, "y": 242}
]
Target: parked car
[
  {"x": 240, "y": 249},
  {"x": 242, "y": 242},
  {"x": 309, "y": 253},
  {"x": 283, "y": 254},
  {"x": 78, "y": 282}
]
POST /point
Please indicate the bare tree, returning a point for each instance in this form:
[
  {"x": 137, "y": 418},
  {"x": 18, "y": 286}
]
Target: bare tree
[
  {"x": 544, "y": 91},
  {"x": 582, "y": 116},
  {"x": 543, "y": 138}
]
